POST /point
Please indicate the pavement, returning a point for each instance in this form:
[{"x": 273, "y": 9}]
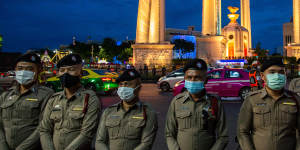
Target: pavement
[{"x": 160, "y": 101}]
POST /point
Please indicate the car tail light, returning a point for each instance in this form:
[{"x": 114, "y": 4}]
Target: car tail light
[{"x": 106, "y": 79}]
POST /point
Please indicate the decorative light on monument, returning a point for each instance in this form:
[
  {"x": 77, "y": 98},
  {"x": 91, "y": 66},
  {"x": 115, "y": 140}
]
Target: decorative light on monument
[{"x": 233, "y": 16}]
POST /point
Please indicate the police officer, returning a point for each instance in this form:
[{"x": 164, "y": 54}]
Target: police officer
[
  {"x": 21, "y": 107},
  {"x": 295, "y": 83},
  {"x": 269, "y": 118},
  {"x": 196, "y": 120},
  {"x": 130, "y": 124},
  {"x": 71, "y": 116}
]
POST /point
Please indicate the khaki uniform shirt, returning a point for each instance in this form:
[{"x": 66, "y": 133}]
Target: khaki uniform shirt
[
  {"x": 295, "y": 86},
  {"x": 191, "y": 125},
  {"x": 268, "y": 124},
  {"x": 65, "y": 126},
  {"x": 20, "y": 115},
  {"x": 132, "y": 130}
]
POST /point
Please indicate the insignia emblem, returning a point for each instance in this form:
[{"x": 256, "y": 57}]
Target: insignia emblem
[
  {"x": 32, "y": 58},
  {"x": 131, "y": 74},
  {"x": 199, "y": 65},
  {"x": 261, "y": 104},
  {"x": 74, "y": 58}
]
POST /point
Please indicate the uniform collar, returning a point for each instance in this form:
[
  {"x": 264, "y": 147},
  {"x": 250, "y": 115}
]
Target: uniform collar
[
  {"x": 76, "y": 94},
  {"x": 16, "y": 89},
  {"x": 264, "y": 93},
  {"x": 119, "y": 105},
  {"x": 187, "y": 96}
]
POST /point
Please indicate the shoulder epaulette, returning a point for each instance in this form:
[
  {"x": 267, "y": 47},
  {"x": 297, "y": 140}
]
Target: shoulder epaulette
[
  {"x": 254, "y": 92},
  {"x": 57, "y": 94},
  {"x": 179, "y": 96}
]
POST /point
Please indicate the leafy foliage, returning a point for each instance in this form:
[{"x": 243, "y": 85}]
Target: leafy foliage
[{"x": 182, "y": 46}]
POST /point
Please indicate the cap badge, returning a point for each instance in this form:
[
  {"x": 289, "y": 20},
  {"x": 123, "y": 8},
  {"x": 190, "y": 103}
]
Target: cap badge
[
  {"x": 199, "y": 65},
  {"x": 131, "y": 74},
  {"x": 73, "y": 58},
  {"x": 32, "y": 58}
]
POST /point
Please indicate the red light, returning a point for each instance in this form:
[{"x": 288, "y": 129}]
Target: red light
[{"x": 105, "y": 79}]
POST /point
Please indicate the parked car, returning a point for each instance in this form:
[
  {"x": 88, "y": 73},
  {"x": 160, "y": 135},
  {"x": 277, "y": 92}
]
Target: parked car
[
  {"x": 167, "y": 82},
  {"x": 223, "y": 82},
  {"x": 103, "y": 84}
]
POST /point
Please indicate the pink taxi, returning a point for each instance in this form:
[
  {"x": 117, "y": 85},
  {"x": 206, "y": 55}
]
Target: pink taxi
[{"x": 223, "y": 82}]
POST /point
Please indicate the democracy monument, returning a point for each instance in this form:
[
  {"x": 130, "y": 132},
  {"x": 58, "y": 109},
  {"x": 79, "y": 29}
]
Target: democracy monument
[{"x": 215, "y": 43}]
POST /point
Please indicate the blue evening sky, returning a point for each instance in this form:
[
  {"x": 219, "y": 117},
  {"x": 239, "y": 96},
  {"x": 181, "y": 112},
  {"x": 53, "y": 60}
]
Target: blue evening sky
[{"x": 27, "y": 24}]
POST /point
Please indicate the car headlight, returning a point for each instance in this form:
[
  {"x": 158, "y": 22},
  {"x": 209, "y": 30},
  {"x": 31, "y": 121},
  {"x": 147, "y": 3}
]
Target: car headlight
[
  {"x": 178, "y": 84},
  {"x": 161, "y": 78}
]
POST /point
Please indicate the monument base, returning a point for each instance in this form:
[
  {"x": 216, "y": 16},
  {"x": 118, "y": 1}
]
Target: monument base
[
  {"x": 293, "y": 50},
  {"x": 152, "y": 55}
]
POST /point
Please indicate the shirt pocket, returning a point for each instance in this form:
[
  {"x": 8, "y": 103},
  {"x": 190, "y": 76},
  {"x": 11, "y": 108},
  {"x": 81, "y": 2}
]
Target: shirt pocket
[
  {"x": 288, "y": 114},
  {"x": 6, "y": 110},
  {"x": 29, "y": 109},
  {"x": 56, "y": 116},
  {"x": 135, "y": 128},
  {"x": 113, "y": 126},
  {"x": 184, "y": 119},
  {"x": 76, "y": 119},
  {"x": 262, "y": 117}
]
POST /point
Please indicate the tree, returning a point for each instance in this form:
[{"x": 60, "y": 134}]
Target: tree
[
  {"x": 260, "y": 52},
  {"x": 125, "y": 51},
  {"x": 125, "y": 54},
  {"x": 182, "y": 46},
  {"x": 110, "y": 48},
  {"x": 85, "y": 49}
]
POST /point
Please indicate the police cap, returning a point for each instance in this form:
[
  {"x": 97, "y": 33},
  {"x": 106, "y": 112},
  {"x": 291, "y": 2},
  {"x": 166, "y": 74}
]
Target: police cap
[
  {"x": 274, "y": 61},
  {"x": 195, "y": 64},
  {"x": 30, "y": 57},
  {"x": 128, "y": 75},
  {"x": 69, "y": 60}
]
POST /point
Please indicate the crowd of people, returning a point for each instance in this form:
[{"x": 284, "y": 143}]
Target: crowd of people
[{"x": 33, "y": 117}]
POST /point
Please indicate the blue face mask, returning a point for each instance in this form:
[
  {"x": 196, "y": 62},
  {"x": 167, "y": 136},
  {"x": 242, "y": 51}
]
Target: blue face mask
[
  {"x": 194, "y": 87},
  {"x": 299, "y": 73},
  {"x": 276, "y": 81},
  {"x": 24, "y": 77}
]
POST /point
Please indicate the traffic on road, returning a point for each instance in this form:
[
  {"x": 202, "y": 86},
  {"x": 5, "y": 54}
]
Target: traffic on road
[{"x": 183, "y": 109}]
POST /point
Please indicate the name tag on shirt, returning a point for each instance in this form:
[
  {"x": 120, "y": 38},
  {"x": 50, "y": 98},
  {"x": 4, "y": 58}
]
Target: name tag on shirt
[
  {"x": 289, "y": 103},
  {"x": 32, "y": 99},
  {"x": 137, "y": 117}
]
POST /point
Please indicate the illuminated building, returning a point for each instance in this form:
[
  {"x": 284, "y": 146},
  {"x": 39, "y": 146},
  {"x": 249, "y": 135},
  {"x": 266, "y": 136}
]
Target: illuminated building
[
  {"x": 211, "y": 17},
  {"x": 236, "y": 37},
  {"x": 150, "y": 48},
  {"x": 293, "y": 49},
  {"x": 246, "y": 18}
]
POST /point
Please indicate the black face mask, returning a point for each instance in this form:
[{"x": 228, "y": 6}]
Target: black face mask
[{"x": 68, "y": 80}]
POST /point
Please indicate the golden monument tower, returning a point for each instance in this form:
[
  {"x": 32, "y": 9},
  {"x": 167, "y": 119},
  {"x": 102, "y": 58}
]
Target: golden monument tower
[
  {"x": 293, "y": 50},
  {"x": 150, "y": 48},
  {"x": 235, "y": 37},
  {"x": 246, "y": 18},
  {"x": 211, "y": 17},
  {"x": 296, "y": 20}
]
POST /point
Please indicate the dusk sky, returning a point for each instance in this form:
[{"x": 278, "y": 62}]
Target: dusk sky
[{"x": 27, "y": 24}]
